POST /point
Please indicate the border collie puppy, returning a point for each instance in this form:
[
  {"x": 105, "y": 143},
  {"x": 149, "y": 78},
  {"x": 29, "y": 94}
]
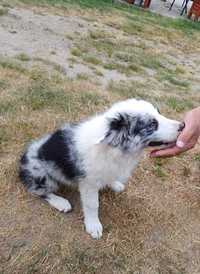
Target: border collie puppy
[{"x": 102, "y": 151}]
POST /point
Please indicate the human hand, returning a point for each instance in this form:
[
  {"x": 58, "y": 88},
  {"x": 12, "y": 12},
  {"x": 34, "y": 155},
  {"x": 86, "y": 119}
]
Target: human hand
[{"x": 187, "y": 138}]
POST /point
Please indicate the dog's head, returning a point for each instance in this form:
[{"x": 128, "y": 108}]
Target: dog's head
[{"x": 135, "y": 124}]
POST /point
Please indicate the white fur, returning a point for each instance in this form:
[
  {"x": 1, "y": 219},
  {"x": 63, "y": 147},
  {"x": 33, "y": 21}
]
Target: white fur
[{"x": 58, "y": 202}]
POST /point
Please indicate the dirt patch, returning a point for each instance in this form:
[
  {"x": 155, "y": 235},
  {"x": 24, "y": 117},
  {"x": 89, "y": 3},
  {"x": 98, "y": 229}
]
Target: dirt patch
[
  {"x": 41, "y": 36},
  {"x": 47, "y": 40}
]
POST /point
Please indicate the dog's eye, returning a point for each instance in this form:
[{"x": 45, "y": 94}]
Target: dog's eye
[{"x": 154, "y": 124}]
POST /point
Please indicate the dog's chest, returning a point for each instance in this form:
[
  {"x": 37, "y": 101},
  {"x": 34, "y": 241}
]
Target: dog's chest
[{"x": 112, "y": 165}]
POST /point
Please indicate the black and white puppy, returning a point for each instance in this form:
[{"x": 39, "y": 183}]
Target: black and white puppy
[{"x": 102, "y": 151}]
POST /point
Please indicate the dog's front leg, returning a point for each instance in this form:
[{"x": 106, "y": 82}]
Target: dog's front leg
[
  {"x": 117, "y": 186},
  {"x": 90, "y": 203}
]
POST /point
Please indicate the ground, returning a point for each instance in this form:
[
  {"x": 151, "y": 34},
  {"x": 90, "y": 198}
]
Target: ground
[{"x": 65, "y": 60}]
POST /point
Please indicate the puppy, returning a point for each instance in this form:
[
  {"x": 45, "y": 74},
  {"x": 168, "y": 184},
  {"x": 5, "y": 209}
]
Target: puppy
[{"x": 102, "y": 151}]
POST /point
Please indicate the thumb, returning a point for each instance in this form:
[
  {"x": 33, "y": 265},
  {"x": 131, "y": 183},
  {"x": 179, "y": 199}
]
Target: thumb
[{"x": 184, "y": 138}]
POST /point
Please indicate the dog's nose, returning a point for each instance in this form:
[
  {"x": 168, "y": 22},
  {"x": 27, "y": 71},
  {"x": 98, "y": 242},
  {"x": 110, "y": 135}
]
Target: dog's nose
[{"x": 181, "y": 126}]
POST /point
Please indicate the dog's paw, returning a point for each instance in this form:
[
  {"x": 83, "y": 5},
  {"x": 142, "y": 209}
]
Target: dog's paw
[
  {"x": 59, "y": 203},
  {"x": 63, "y": 206},
  {"x": 117, "y": 186},
  {"x": 94, "y": 228}
]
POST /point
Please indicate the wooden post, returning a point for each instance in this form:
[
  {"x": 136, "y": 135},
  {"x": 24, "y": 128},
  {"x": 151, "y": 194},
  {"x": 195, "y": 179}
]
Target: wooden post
[
  {"x": 195, "y": 9},
  {"x": 146, "y": 3},
  {"x": 130, "y": 1}
]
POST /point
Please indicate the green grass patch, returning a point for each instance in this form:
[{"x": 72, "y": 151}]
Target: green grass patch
[
  {"x": 7, "y": 107},
  {"x": 39, "y": 97},
  {"x": 120, "y": 56},
  {"x": 23, "y": 57},
  {"x": 11, "y": 64},
  {"x": 196, "y": 157},
  {"x": 82, "y": 76},
  {"x": 69, "y": 36},
  {"x": 3, "y": 84},
  {"x": 177, "y": 82},
  {"x": 158, "y": 168},
  {"x": 92, "y": 59},
  {"x": 49, "y": 93},
  {"x": 98, "y": 34},
  {"x": 107, "y": 46},
  {"x": 103, "y": 4},
  {"x": 131, "y": 90},
  {"x": 123, "y": 56},
  {"x": 151, "y": 62},
  {"x": 97, "y": 72},
  {"x": 133, "y": 27},
  {"x": 134, "y": 67},
  {"x": 180, "y": 69},
  {"x": 52, "y": 64},
  {"x": 171, "y": 77},
  {"x": 179, "y": 105},
  {"x": 159, "y": 172},
  {"x": 76, "y": 52},
  {"x": 138, "y": 19},
  {"x": 88, "y": 99},
  {"x": 46, "y": 93},
  {"x": 126, "y": 69},
  {"x": 3, "y": 11}
]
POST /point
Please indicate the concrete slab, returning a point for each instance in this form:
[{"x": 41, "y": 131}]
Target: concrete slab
[{"x": 162, "y": 7}]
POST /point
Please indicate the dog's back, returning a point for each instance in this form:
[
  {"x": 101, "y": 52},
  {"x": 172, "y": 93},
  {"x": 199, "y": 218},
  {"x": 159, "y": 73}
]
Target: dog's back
[{"x": 50, "y": 161}]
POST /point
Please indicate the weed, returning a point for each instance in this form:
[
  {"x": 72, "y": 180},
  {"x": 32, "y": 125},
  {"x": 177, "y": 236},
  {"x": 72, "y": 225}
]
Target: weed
[
  {"x": 97, "y": 72},
  {"x": 180, "y": 70},
  {"x": 171, "y": 77},
  {"x": 3, "y": 11},
  {"x": 91, "y": 59},
  {"x": 11, "y": 64},
  {"x": 22, "y": 57},
  {"x": 197, "y": 157},
  {"x": 76, "y": 52},
  {"x": 97, "y": 34},
  {"x": 69, "y": 36},
  {"x": 82, "y": 76},
  {"x": 179, "y": 105},
  {"x": 159, "y": 171},
  {"x": 151, "y": 62}
]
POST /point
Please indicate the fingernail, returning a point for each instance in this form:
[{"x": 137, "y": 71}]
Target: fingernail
[{"x": 180, "y": 144}]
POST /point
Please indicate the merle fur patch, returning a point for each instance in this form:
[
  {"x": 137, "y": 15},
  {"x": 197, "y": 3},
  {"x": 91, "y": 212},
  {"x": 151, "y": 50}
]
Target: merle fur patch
[
  {"x": 124, "y": 128},
  {"x": 59, "y": 149}
]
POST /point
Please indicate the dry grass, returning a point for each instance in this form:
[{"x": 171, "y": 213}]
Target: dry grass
[{"x": 151, "y": 228}]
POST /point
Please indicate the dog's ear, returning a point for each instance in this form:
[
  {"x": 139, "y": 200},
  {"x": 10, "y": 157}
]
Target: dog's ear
[{"x": 119, "y": 130}]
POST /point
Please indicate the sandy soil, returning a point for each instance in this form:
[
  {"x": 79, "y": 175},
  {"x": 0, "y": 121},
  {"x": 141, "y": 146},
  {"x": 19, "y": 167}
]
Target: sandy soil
[{"x": 44, "y": 36}]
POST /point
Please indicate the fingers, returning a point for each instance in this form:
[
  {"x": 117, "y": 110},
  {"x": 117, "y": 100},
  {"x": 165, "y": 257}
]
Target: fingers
[
  {"x": 181, "y": 146},
  {"x": 168, "y": 152},
  {"x": 184, "y": 139},
  {"x": 187, "y": 138}
]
